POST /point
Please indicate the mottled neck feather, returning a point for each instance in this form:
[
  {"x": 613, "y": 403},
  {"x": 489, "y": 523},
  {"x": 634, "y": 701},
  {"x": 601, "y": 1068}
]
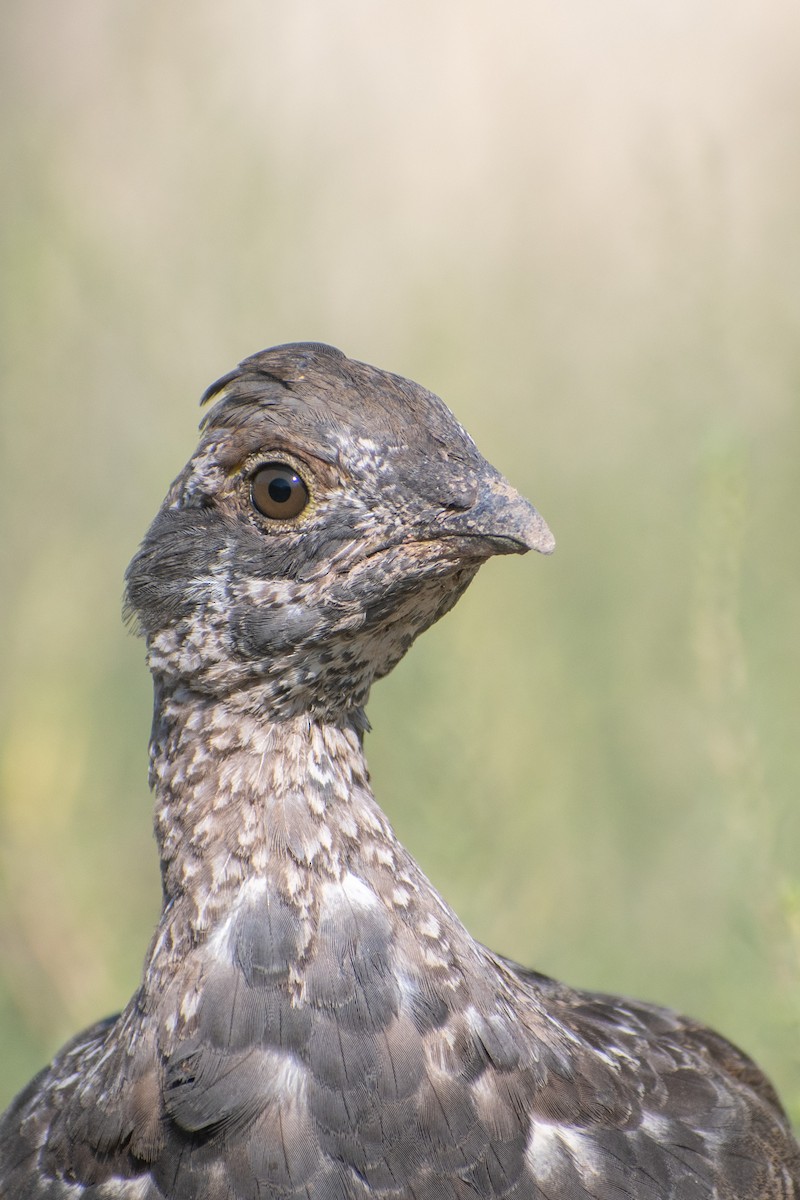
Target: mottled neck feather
[
  {"x": 239, "y": 796},
  {"x": 301, "y": 950},
  {"x": 248, "y": 808}
]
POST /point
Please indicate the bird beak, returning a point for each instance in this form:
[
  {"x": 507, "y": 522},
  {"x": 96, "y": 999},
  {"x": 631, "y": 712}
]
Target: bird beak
[{"x": 503, "y": 519}]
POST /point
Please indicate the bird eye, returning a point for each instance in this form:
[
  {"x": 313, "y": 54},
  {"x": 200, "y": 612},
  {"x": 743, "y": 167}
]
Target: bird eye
[{"x": 277, "y": 491}]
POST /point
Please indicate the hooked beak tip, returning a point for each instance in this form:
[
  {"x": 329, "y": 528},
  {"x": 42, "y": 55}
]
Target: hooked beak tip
[
  {"x": 543, "y": 540},
  {"x": 504, "y": 521},
  {"x": 517, "y": 520}
]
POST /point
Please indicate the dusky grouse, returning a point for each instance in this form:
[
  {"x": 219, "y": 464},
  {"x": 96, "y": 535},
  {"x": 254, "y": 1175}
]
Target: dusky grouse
[{"x": 314, "y": 1021}]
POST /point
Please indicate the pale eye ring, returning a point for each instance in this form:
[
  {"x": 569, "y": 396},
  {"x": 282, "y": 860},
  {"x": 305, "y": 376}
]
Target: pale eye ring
[{"x": 277, "y": 491}]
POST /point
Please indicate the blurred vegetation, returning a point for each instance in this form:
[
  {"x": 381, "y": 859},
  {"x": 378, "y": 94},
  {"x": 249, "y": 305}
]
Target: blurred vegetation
[{"x": 579, "y": 225}]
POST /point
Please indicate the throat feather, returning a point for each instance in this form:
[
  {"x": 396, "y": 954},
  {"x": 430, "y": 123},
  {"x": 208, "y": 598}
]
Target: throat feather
[{"x": 240, "y": 799}]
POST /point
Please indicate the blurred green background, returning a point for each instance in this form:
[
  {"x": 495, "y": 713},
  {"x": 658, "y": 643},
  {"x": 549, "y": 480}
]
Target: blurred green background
[{"x": 578, "y": 223}]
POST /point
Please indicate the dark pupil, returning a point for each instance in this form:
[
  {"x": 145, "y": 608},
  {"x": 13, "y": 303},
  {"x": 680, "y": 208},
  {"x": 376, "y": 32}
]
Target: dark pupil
[
  {"x": 278, "y": 492},
  {"x": 280, "y": 489}
]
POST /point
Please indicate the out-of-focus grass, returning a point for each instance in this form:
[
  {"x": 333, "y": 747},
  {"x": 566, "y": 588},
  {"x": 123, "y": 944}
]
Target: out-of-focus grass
[{"x": 579, "y": 225}]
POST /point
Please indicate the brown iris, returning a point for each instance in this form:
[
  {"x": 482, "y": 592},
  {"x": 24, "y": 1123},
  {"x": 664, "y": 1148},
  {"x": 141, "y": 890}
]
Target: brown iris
[{"x": 278, "y": 491}]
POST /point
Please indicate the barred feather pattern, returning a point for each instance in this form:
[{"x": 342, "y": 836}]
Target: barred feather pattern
[{"x": 314, "y": 1022}]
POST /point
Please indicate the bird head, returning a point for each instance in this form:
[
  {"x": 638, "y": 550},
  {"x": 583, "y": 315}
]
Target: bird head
[{"x": 330, "y": 514}]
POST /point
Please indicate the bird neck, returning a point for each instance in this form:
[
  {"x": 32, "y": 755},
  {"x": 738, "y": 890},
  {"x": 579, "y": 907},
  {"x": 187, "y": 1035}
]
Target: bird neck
[
  {"x": 240, "y": 796},
  {"x": 264, "y": 823}
]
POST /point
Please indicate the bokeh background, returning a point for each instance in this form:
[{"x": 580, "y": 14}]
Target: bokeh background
[{"x": 580, "y": 224}]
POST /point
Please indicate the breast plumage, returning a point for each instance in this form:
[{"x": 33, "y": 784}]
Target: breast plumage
[{"x": 314, "y": 1021}]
